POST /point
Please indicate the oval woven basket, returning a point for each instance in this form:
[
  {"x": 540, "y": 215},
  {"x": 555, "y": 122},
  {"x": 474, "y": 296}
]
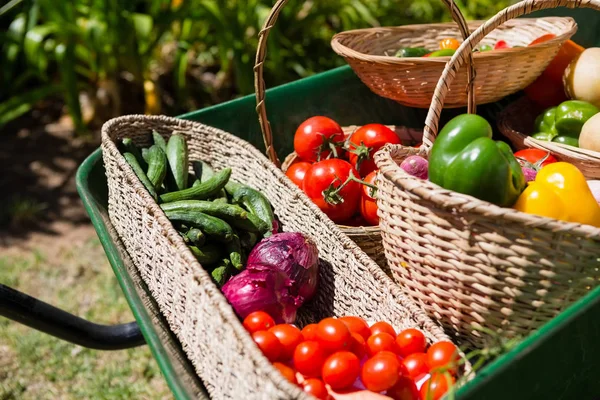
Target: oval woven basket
[
  {"x": 411, "y": 81},
  {"x": 368, "y": 238},
  {"x": 470, "y": 263},
  {"x": 222, "y": 352},
  {"x": 517, "y": 120}
]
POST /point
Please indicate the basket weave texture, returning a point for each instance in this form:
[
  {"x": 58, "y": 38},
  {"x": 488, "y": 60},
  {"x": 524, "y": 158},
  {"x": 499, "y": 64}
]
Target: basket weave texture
[
  {"x": 411, "y": 81},
  {"x": 468, "y": 262},
  {"x": 211, "y": 335}
]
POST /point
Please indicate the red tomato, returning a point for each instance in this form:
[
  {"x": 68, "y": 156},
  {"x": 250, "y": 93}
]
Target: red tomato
[
  {"x": 315, "y": 136},
  {"x": 289, "y": 336},
  {"x": 341, "y": 369},
  {"x": 382, "y": 327},
  {"x": 381, "y": 342},
  {"x": 309, "y": 357},
  {"x": 404, "y": 389},
  {"x": 368, "y": 205},
  {"x": 365, "y": 141},
  {"x": 358, "y": 345},
  {"x": 443, "y": 355},
  {"x": 333, "y": 335},
  {"x": 309, "y": 332},
  {"x": 333, "y": 173},
  {"x": 416, "y": 365},
  {"x": 380, "y": 373},
  {"x": 258, "y": 321},
  {"x": 297, "y": 171},
  {"x": 315, "y": 387},
  {"x": 268, "y": 343},
  {"x": 534, "y": 155},
  {"x": 501, "y": 44},
  {"x": 545, "y": 92},
  {"x": 436, "y": 387},
  {"x": 411, "y": 341},
  {"x": 287, "y": 372},
  {"x": 357, "y": 325}
]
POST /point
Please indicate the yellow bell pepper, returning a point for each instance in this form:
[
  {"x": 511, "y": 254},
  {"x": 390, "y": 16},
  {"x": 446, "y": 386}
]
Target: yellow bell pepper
[{"x": 560, "y": 191}]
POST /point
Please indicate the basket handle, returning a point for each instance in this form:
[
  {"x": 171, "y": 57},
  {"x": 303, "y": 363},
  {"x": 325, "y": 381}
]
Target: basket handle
[
  {"x": 453, "y": 66},
  {"x": 261, "y": 53}
]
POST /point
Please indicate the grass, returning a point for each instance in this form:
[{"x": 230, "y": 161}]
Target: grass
[{"x": 34, "y": 365}]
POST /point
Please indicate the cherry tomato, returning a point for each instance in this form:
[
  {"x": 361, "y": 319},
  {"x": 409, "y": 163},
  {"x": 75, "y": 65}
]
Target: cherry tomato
[
  {"x": 357, "y": 325},
  {"x": 258, "y": 321},
  {"x": 289, "y": 336},
  {"x": 368, "y": 205},
  {"x": 449, "y": 43},
  {"x": 287, "y": 372},
  {"x": 309, "y": 332},
  {"x": 365, "y": 141},
  {"x": 534, "y": 155},
  {"x": 443, "y": 355},
  {"x": 501, "y": 44},
  {"x": 268, "y": 343},
  {"x": 436, "y": 387},
  {"x": 341, "y": 369},
  {"x": 411, "y": 341},
  {"x": 382, "y": 327},
  {"x": 333, "y": 335},
  {"x": 404, "y": 389},
  {"x": 416, "y": 365},
  {"x": 297, "y": 171},
  {"x": 380, "y": 373},
  {"x": 315, "y": 387},
  {"x": 358, "y": 345},
  {"x": 545, "y": 92},
  {"x": 316, "y": 135},
  {"x": 381, "y": 342},
  {"x": 333, "y": 173},
  {"x": 309, "y": 357}
]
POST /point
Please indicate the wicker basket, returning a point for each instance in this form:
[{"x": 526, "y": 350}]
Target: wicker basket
[
  {"x": 411, "y": 81},
  {"x": 518, "y": 119},
  {"x": 211, "y": 335},
  {"x": 470, "y": 263},
  {"x": 368, "y": 238}
]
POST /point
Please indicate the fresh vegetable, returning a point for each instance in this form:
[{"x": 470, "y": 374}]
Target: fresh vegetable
[
  {"x": 207, "y": 254},
  {"x": 535, "y": 156},
  {"x": 258, "y": 321},
  {"x": 582, "y": 77},
  {"x": 139, "y": 171},
  {"x": 545, "y": 92},
  {"x": 255, "y": 202},
  {"x": 441, "y": 53},
  {"x": 443, "y": 355},
  {"x": 416, "y": 365},
  {"x": 297, "y": 171},
  {"x": 130, "y": 147},
  {"x": 571, "y": 115},
  {"x": 368, "y": 203},
  {"x": 436, "y": 387},
  {"x": 289, "y": 336},
  {"x": 221, "y": 272},
  {"x": 341, "y": 369},
  {"x": 357, "y": 325},
  {"x": 566, "y": 54},
  {"x": 380, "y": 373},
  {"x": 547, "y": 137},
  {"x": 234, "y": 251},
  {"x": 318, "y": 137},
  {"x": 309, "y": 332},
  {"x": 416, "y": 166},
  {"x": 545, "y": 122},
  {"x": 412, "y": 52},
  {"x": 323, "y": 185},
  {"x": 464, "y": 158},
  {"x": 485, "y": 47},
  {"x": 157, "y": 166},
  {"x": 560, "y": 191},
  {"x": 177, "y": 155},
  {"x": 501, "y": 45},
  {"x": 381, "y": 342},
  {"x": 159, "y": 141},
  {"x": 367, "y": 140},
  {"x": 594, "y": 186},
  {"x": 265, "y": 290},
  {"x": 382, "y": 326},
  {"x": 449, "y": 43},
  {"x": 411, "y": 341},
  {"x": 211, "y": 226},
  {"x": 202, "y": 191},
  {"x": 316, "y": 388},
  {"x": 268, "y": 343},
  {"x": 196, "y": 236},
  {"x": 404, "y": 389},
  {"x": 333, "y": 335},
  {"x": 568, "y": 140},
  {"x": 309, "y": 357},
  {"x": 529, "y": 173},
  {"x": 358, "y": 345},
  {"x": 287, "y": 372},
  {"x": 589, "y": 138}
]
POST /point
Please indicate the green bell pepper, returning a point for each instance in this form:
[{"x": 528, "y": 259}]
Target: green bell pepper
[
  {"x": 412, "y": 52},
  {"x": 568, "y": 140},
  {"x": 545, "y": 121},
  {"x": 571, "y": 115},
  {"x": 545, "y": 136},
  {"x": 464, "y": 158}
]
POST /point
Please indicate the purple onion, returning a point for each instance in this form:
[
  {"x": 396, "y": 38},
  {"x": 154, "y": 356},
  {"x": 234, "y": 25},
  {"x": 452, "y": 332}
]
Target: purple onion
[
  {"x": 416, "y": 166},
  {"x": 266, "y": 290},
  {"x": 529, "y": 173},
  {"x": 295, "y": 255}
]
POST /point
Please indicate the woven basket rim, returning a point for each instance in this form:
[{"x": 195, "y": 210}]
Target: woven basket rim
[
  {"x": 348, "y": 52},
  {"x": 449, "y": 199}
]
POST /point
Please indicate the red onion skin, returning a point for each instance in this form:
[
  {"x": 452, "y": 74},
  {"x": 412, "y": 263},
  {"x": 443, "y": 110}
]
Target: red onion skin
[
  {"x": 293, "y": 254},
  {"x": 416, "y": 166},
  {"x": 266, "y": 290},
  {"x": 529, "y": 173}
]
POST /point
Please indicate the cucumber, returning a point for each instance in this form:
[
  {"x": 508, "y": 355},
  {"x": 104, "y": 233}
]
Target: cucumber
[
  {"x": 145, "y": 151},
  {"x": 203, "y": 191},
  {"x": 221, "y": 273},
  {"x": 207, "y": 254},
  {"x": 157, "y": 166},
  {"x": 204, "y": 172},
  {"x": 135, "y": 165},
  {"x": 177, "y": 155},
  {"x": 234, "y": 250},
  {"x": 130, "y": 147},
  {"x": 211, "y": 226},
  {"x": 196, "y": 236},
  {"x": 159, "y": 141},
  {"x": 255, "y": 202},
  {"x": 248, "y": 240}
]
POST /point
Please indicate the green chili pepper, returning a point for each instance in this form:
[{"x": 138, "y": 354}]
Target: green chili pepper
[
  {"x": 441, "y": 53},
  {"x": 412, "y": 52}
]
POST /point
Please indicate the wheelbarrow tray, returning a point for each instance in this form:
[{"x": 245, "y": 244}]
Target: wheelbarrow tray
[{"x": 559, "y": 361}]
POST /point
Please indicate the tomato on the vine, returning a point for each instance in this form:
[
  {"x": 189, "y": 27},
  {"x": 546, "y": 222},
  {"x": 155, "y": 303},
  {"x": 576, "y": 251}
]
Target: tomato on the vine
[
  {"x": 268, "y": 343},
  {"x": 289, "y": 336},
  {"x": 333, "y": 335},
  {"x": 316, "y": 137},
  {"x": 368, "y": 204},
  {"x": 365, "y": 141},
  {"x": 316, "y": 388},
  {"x": 380, "y": 373},
  {"x": 309, "y": 357},
  {"x": 404, "y": 389},
  {"x": 443, "y": 355},
  {"x": 357, "y": 325},
  {"x": 297, "y": 171},
  {"x": 287, "y": 372},
  {"x": 258, "y": 321},
  {"x": 436, "y": 387},
  {"x": 341, "y": 369},
  {"x": 411, "y": 341},
  {"x": 321, "y": 185},
  {"x": 381, "y": 342},
  {"x": 382, "y": 326},
  {"x": 309, "y": 332},
  {"x": 416, "y": 365},
  {"x": 534, "y": 155}
]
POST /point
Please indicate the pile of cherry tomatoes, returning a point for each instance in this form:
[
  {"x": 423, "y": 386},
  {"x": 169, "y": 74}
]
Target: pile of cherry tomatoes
[
  {"x": 338, "y": 173},
  {"x": 345, "y": 355}
]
